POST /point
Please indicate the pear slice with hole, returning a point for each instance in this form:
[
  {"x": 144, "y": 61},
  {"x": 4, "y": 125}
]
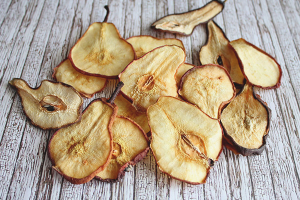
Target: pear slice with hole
[
  {"x": 86, "y": 85},
  {"x": 259, "y": 68},
  {"x": 246, "y": 122},
  {"x": 80, "y": 151},
  {"x": 181, "y": 71},
  {"x": 130, "y": 145},
  {"x": 152, "y": 76},
  {"x": 51, "y": 105},
  {"x": 185, "y": 141},
  {"x": 101, "y": 51},
  {"x": 186, "y": 22},
  {"x": 218, "y": 51},
  {"x": 209, "y": 87},
  {"x": 143, "y": 44}
]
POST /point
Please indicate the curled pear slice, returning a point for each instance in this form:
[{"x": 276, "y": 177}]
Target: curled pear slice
[
  {"x": 130, "y": 145},
  {"x": 246, "y": 122},
  {"x": 86, "y": 85},
  {"x": 258, "y": 67},
  {"x": 51, "y": 105},
  {"x": 181, "y": 71},
  {"x": 152, "y": 76},
  {"x": 101, "y": 51},
  {"x": 218, "y": 51},
  {"x": 143, "y": 44},
  {"x": 126, "y": 109},
  {"x": 82, "y": 150},
  {"x": 209, "y": 87},
  {"x": 186, "y": 22},
  {"x": 185, "y": 141}
]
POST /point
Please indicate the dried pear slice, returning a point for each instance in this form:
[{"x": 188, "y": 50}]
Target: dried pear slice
[
  {"x": 185, "y": 141},
  {"x": 152, "y": 76},
  {"x": 209, "y": 87},
  {"x": 186, "y": 22},
  {"x": 258, "y": 67},
  {"x": 101, "y": 51},
  {"x": 181, "y": 71},
  {"x": 218, "y": 51},
  {"x": 126, "y": 109},
  {"x": 130, "y": 145},
  {"x": 143, "y": 44},
  {"x": 246, "y": 122},
  {"x": 86, "y": 85},
  {"x": 51, "y": 105}
]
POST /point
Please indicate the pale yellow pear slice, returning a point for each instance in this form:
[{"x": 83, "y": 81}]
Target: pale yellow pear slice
[
  {"x": 186, "y": 22},
  {"x": 51, "y": 105},
  {"x": 218, "y": 51},
  {"x": 152, "y": 76},
  {"x": 86, "y": 85},
  {"x": 185, "y": 141},
  {"x": 82, "y": 150},
  {"x": 258, "y": 67},
  {"x": 130, "y": 145},
  {"x": 101, "y": 51},
  {"x": 181, "y": 71},
  {"x": 209, "y": 87},
  {"x": 143, "y": 44}
]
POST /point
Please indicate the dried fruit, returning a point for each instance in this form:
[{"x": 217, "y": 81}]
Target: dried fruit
[
  {"x": 152, "y": 76},
  {"x": 258, "y": 67},
  {"x": 209, "y": 87},
  {"x": 86, "y": 85},
  {"x": 186, "y": 22},
  {"x": 185, "y": 141},
  {"x": 126, "y": 109},
  {"x": 143, "y": 44},
  {"x": 246, "y": 122},
  {"x": 181, "y": 71},
  {"x": 130, "y": 145},
  {"x": 218, "y": 51},
  {"x": 51, "y": 105}
]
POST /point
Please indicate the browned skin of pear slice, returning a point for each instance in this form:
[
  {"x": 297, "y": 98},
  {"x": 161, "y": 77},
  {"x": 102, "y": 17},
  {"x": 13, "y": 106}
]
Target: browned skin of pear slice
[
  {"x": 186, "y": 22},
  {"x": 184, "y": 139},
  {"x": 126, "y": 109},
  {"x": 258, "y": 67},
  {"x": 143, "y": 44},
  {"x": 101, "y": 51},
  {"x": 152, "y": 76},
  {"x": 246, "y": 122},
  {"x": 181, "y": 71},
  {"x": 86, "y": 85},
  {"x": 51, "y": 105},
  {"x": 130, "y": 145},
  {"x": 82, "y": 150},
  {"x": 218, "y": 51},
  {"x": 209, "y": 87}
]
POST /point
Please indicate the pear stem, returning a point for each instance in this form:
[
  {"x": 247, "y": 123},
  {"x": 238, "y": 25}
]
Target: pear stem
[
  {"x": 107, "y": 13},
  {"x": 115, "y": 93}
]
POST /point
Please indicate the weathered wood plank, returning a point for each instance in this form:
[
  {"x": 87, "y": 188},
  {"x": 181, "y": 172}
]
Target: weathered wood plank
[{"x": 4, "y": 6}]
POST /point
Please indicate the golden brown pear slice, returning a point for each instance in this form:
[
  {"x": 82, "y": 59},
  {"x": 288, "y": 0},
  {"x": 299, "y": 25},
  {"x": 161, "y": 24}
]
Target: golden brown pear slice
[
  {"x": 181, "y": 71},
  {"x": 152, "y": 76},
  {"x": 186, "y": 22},
  {"x": 218, "y": 51},
  {"x": 101, "y": 51},
  {"x": 209, "y": 87},
  {"x": 130, "y": 145},
  {"x": 185, "y": 141},
  {"x": 82, "y": 150},
  {"x": 86, "y": 85},
  {"x": 258, "y": 67},
  {"x": 246, "y": 122},
  {"x": 126, "y": 109},
  {"x": 143, "y": 44},
  {"x": 51, "y": 105}
]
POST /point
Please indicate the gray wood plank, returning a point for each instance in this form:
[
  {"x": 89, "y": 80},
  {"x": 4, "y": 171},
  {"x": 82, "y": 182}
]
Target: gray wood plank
[{"x": 4, "y": 6}]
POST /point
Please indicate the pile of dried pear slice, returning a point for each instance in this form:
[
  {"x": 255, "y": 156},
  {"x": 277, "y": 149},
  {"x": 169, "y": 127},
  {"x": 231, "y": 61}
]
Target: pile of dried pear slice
[{"x": 186, "y": 135}]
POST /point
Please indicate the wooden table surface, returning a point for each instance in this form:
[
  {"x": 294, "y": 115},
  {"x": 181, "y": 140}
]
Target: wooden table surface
[{"x": 36, "y": 35}]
